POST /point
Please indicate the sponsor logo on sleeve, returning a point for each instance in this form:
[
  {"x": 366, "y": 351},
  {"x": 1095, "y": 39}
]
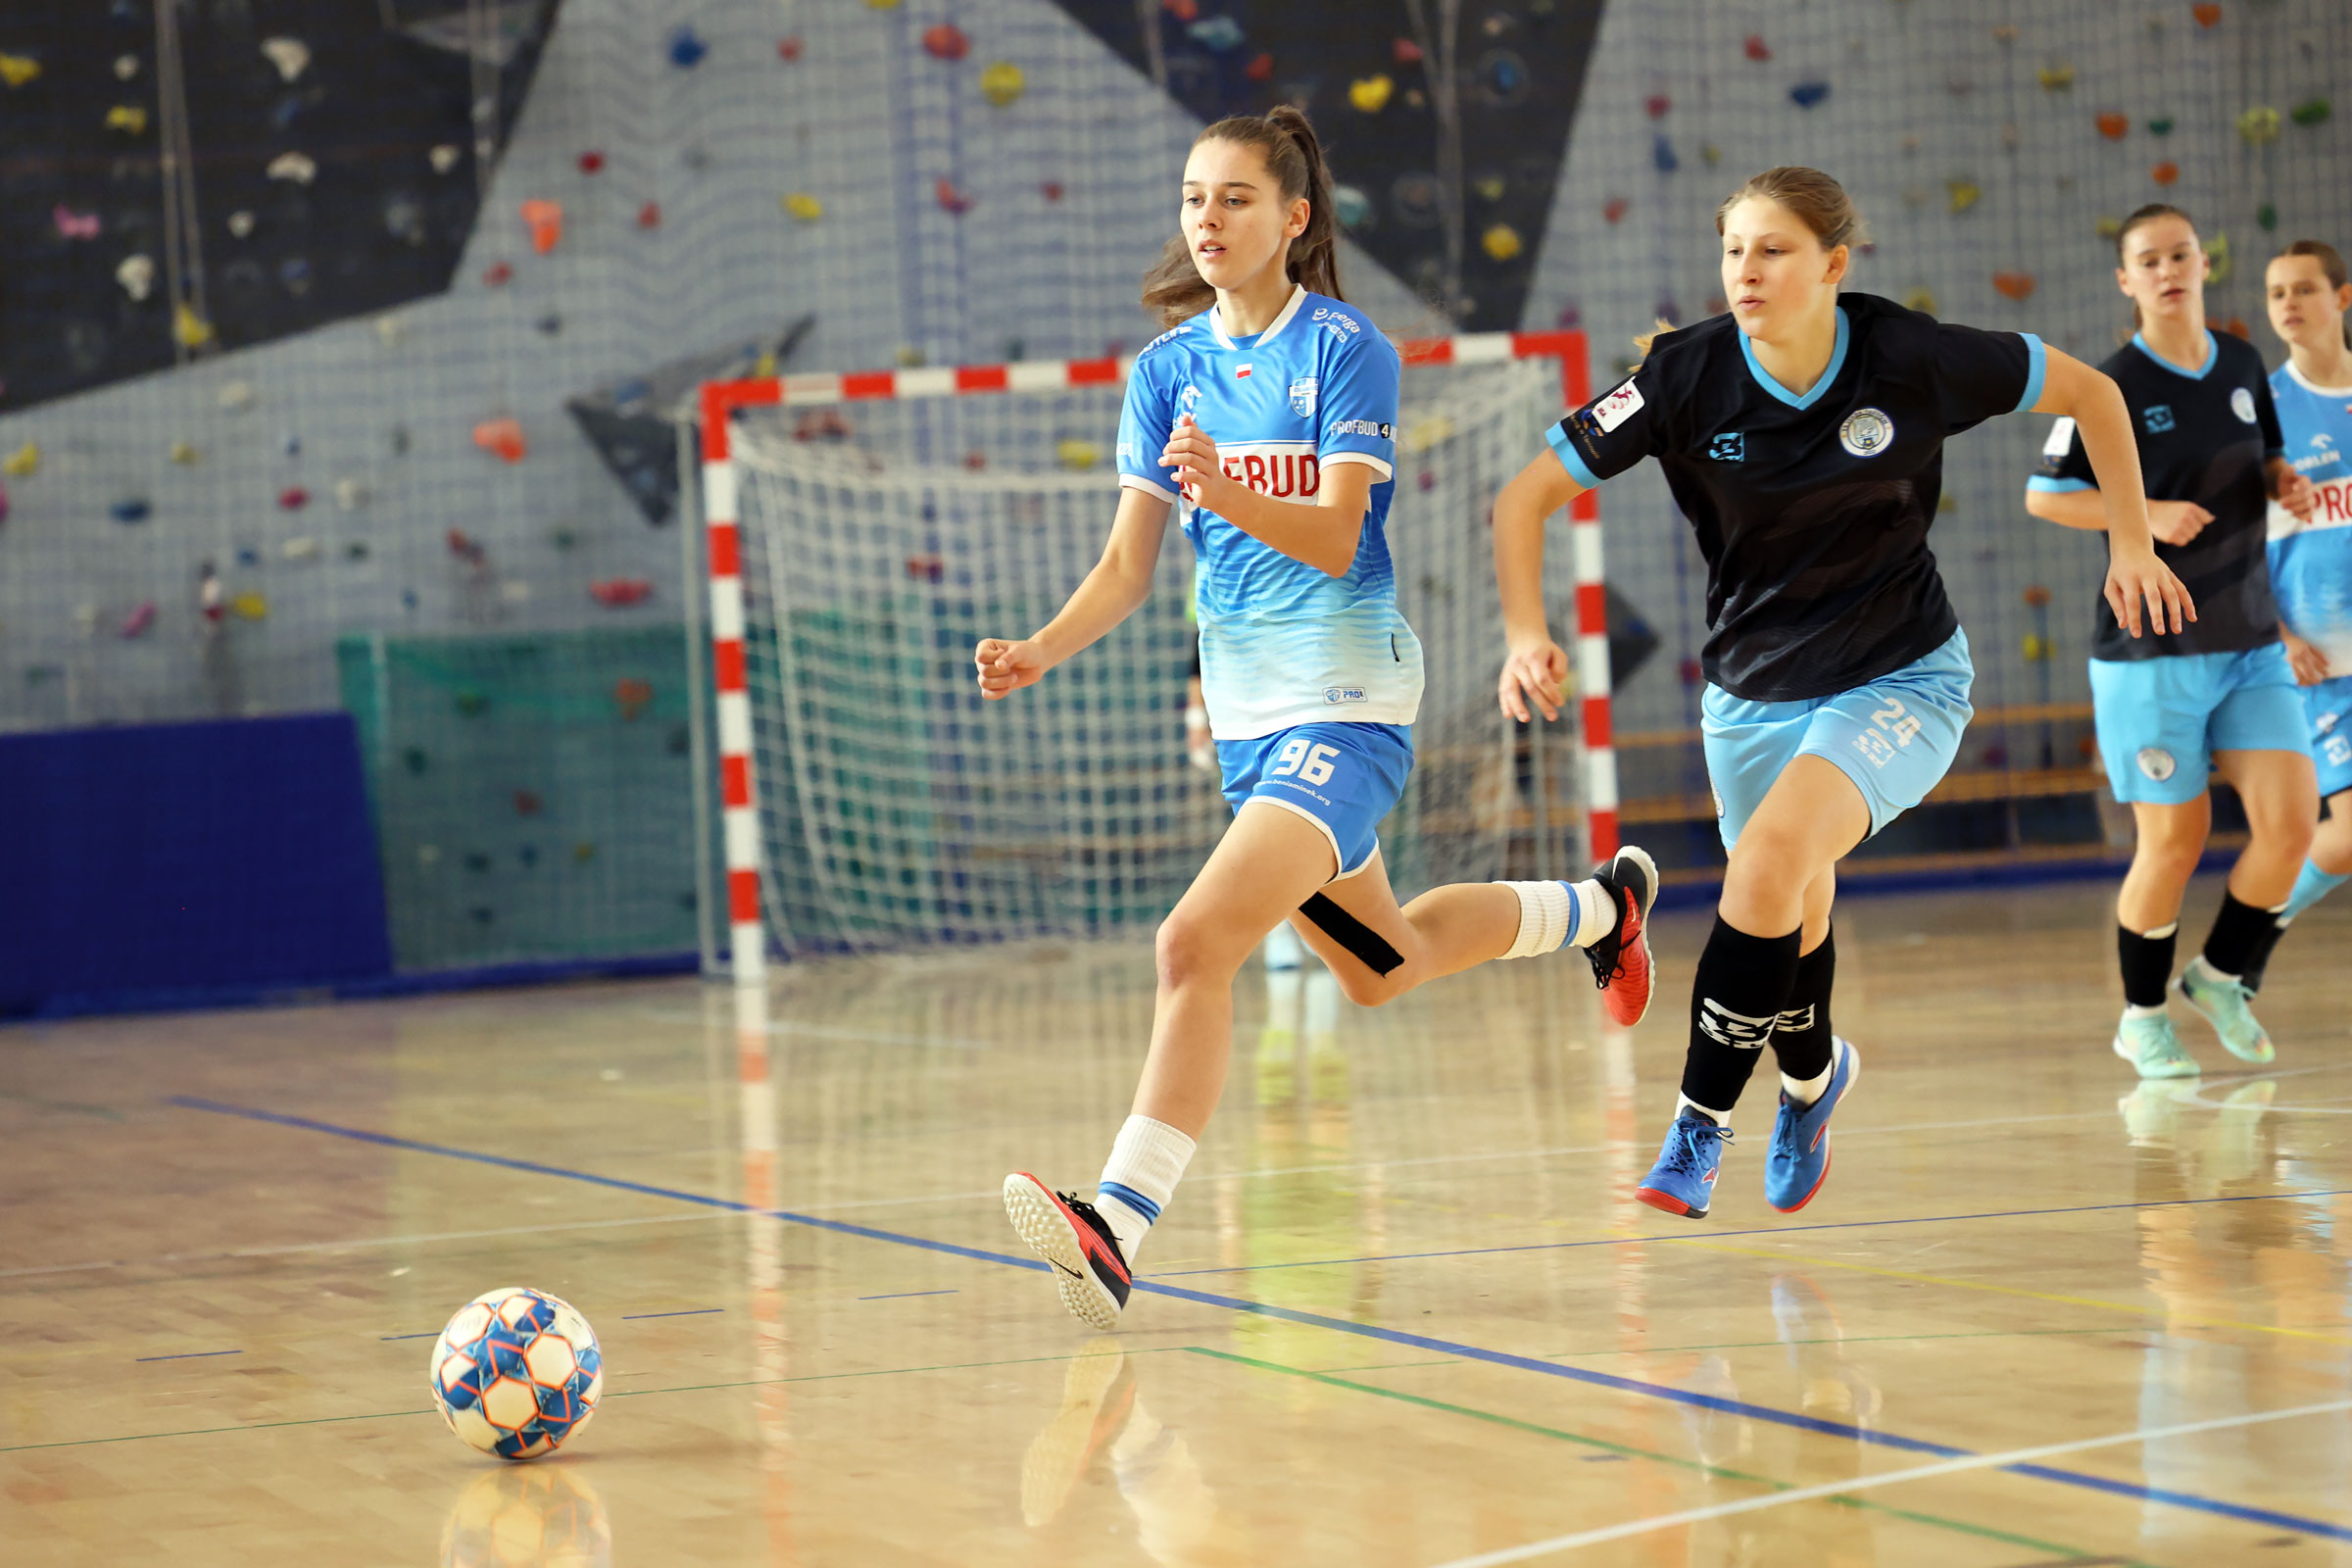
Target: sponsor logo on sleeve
[
  {"x": 2055, "y": 449},
  {"x": 1617, "y": 408},
  {"x": 1371, "y": 427},
  {"x": 2241, "y": 404}
]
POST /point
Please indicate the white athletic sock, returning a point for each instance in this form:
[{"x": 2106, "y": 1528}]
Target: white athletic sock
[
  {"x": 1145, "y": 1163},
  {"x": 2134, "y": 1012},
  {"x": 1553, "y": 913},
  {"x": 1804, "y": 1091},
  {"x": 1721, "y": 1118}
]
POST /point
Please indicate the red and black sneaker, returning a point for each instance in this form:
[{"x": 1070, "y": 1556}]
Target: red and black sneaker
[
  {"x": 1621, "y": 963},
  {"x": 1067, "y": 1233}
]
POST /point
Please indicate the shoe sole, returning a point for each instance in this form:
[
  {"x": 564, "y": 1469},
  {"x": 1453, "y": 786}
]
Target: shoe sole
[
  {"x": 2270, "y": 1051},
  {"x": 1667, "y": 1202},
  {"x": 1649, "y": 867},
  {"x": 1040, "y": 1220},
  {"x": 1830, "y": 1153},
  {"x": 2124, "y": 1051}
]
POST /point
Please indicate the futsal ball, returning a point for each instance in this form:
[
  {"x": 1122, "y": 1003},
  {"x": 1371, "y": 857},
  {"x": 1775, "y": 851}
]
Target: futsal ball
[{"x": 516, "y": 1372}]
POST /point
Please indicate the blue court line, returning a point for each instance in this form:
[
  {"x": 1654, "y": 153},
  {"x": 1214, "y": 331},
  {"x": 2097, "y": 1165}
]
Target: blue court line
[
  {"x": 692, "y": 1311},
  {"x": 428, "y": 1334},
  {"x": 189, "y": 1356},
  {"x": 901, "y": 1296},
  {"x": 1768, "y": 1230},
  {"x": 2133, "y": 1490}
]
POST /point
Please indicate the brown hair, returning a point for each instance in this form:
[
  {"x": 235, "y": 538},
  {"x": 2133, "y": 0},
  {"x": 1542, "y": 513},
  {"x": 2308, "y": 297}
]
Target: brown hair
[
  {"x": 2149, "y": 215},
  {"x": 1819, "y": 202},
  {"x": 2330, "y": 263},
  {"x": 1174, "y": 286}
]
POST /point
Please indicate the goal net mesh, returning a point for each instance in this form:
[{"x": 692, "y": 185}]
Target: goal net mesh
[{"x": 882, "y": 540}]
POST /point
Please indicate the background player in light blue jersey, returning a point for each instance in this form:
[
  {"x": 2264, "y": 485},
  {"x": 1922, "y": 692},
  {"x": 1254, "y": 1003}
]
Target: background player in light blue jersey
[
  {"x": 1268, "y": 412},
  {"x": 2311, "y": 558}
]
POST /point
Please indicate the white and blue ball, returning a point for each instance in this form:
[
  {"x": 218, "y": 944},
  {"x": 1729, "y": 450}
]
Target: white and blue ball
[{"x": 516, "y": 1372}]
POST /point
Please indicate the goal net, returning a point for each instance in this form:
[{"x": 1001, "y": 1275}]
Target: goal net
[{"x": 879, "y": 533}]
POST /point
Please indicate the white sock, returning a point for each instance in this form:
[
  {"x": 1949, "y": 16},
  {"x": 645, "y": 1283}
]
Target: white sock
[
  {"x": 1805, "y": 1090},
  {"x": 1553, "y": 913},
  {"x": 2134, "y": 1011},
  {"x": 1145, "y": 1163},
  {"x": 1721, "y": 1118},
  {"x": 2204, "y": 967}
]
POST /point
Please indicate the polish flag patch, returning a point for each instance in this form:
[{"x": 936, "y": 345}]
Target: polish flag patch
[{"x": 1241, "y": 373}]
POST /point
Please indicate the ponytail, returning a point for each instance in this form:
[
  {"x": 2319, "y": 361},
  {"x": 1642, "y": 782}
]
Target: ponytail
[{"x": 1173, "y": 286}]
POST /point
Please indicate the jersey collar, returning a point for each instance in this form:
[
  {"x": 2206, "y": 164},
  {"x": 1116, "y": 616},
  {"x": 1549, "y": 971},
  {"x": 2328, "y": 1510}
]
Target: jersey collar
[
  {"x": 2213, "y": 352},
  {"x": 1298, "y": 298},
  {"x": 2309, "y": 386},
  {"x": 1813, "y": 394}
]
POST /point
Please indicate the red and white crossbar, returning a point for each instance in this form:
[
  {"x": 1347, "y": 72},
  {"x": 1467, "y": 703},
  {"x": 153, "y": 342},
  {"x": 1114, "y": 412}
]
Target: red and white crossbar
[{"x": 720, "y": 399}]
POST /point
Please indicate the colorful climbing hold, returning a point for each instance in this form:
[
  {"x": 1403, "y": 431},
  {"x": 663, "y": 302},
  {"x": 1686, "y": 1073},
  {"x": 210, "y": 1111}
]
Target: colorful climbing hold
[
  {"x": 1661, "y": 154},
  {"x": 466, "y": 548},
  {"x": 137, "y": 622},
  {"x": 632, "y": 697},
  {"x": 2166, "y": 173},
  {"x": 2161, "y": 125},
  {"x": 1351, "y": 206},
  {"x": 2208, "y": 15},
  {"x": 592, "y": 161},
  {"x": 1077, "y": 455},
  {"x": 619, "y": 592},
  {"x": 497, "y": 272},
  {"x": 802, "y": 206},
  {"x": 1712, "y": 154},
  {"x": 650, "y": 216},
  {"x": 945, "y": 42},
  {"x": 1961, "y": 194},
  {"x": 1371, "y": 94},
  {"x": 2014, "y": 285},
  {"x": 129, "y": 118},
  {"x": 2236, "y": 326},
  {"x": 550, "y": 324},
  {"x": 1502, "y": 242},
  {"x": 184, "y": 453},
  {"x": 1002, "y": 82},
  {"x": 789, "y": 49},
  {"x": 2056, "y": 78},
  {"x": 1404, "y": 51},
  {"x": 444, "y": 157},
  {"x": 288, "y": 55},
  {"x": 1756, "y": 48},
  {"x": 503, "y": 436},
  {"x": 136, "y": 274},
  {"x": 300, "y": 167},
  {"x": 950, "y": 198},
  {"x": 131, "y": 509},
  {"x": 18, "y": 70},
  {"x": 1183, "y": 10},
  {"x": 1219, "y": 34},
  {"x": 2258, "y": 126},
  {"x": 236, "y": 397},
  {"x": 2108, "y": 225},
  {"x": 2217, "y": 258},
  {"x": 300, "y": 548},
  {"x": 1260, "y": 68},
  {"x": 2113, "y": 126},
  {"x": 686, "y": 49},
  {"x": 1658, "y": 104},
  {"x": 582, "y": 853},
  {"x": 473, "y": 704},
  {"x": 351, "y": 493},
  {"x": 249, "y": 605},
  {"x": 1805, "y": 94},
  {"x": 1921, "y": 300},
  {"x": 192, "y": 330},
  {"x": 2311, "y": 112},
  {"x": 71, "y": 224},
  {"x": 240, "y": 223},
  {"x": 293, "y": 497},
  {"x": 1614, "y": 209},
  {"x": 545, "y": 221},
  {"x": 2267, "y": 216},
  {"x": 2004, "y": 33},
  {"x": 527, "y": 803}
]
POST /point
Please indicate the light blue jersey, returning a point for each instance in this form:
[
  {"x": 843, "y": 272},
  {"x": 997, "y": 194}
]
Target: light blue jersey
[
  {"x": 2311, "y": 562},
  {"x": 1283, "y": 644}
]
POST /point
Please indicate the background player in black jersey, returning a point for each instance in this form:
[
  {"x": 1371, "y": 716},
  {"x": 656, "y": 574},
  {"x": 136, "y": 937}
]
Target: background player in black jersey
[
  {"x": 1802, "y": 434},
  {"x": 2220, "y": 690}
]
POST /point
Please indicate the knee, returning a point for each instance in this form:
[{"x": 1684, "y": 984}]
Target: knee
[
  {"x": 2288, "y": 824},
  {"x": 1360, "y": 985},
  {"x": 1188, "y": 953},
  {"x": 1768, "y": 856},
  {"x": 2172, "y": 847}
]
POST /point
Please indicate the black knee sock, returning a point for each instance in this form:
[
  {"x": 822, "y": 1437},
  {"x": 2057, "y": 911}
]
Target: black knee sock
[
  {"x": 1801, "y": 1036},
  {"x": 1736, "y": 998},
  {"x": 2241, "y": 937},
  {"x": 2147, "y": 962}
]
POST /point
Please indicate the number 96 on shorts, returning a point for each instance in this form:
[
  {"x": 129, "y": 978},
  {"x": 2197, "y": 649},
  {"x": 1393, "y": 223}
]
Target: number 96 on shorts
[{"x": 1343, "y": 778}]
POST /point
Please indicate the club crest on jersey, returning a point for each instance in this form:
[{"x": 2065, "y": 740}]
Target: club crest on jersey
[
  {"x": 2156, "y": 419},
  {"x": 1866, "y": 432},
  {"x": 1303, "y": 396},
  {"x": 2156, "y": 762},
  {"x": 2241, "y": 404}
]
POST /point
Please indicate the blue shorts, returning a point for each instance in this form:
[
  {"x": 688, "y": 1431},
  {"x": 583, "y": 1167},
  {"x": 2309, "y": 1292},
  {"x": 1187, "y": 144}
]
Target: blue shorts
[
  {"x": 2327, "y": 709},
  {"x": 2160, "y": 720},
  {"x": 1342, "y": 778},
  {"x": 1893, "y": 737}
]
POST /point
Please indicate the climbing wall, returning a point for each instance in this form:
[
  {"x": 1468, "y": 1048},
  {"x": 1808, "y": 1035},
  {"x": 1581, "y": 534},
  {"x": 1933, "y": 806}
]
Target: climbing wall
[{"x": 1992, "y": 149}]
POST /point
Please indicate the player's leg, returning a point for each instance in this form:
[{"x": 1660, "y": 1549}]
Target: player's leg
[
  {"x": 1267, "y": 864},
  {"x": 2328, "y": 710},
  {"x": 1818, "y": 1067},
  {"x": 2150, "y": 715}
]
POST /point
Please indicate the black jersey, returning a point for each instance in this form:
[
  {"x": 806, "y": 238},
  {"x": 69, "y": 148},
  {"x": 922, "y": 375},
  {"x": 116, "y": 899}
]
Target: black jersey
[
  {"x": 2203, "y": 436},
  {"x": 1812, "y": 512}
]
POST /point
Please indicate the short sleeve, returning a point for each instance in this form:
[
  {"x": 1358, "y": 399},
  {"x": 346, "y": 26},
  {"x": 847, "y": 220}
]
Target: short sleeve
[
  {"x": 1980, "y": 375},
  {"x": 1614, "y": 431},
  {"x": 2064, "y": 464},
  {"x": 1143, "y": 425},
  {"x": 2266, "y": 415},
  {"x": 1358, "y": 402}
]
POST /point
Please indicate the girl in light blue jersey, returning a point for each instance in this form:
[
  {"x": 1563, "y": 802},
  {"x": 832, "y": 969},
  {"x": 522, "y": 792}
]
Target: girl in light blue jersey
[
  {"x": 2311, "y": 556},
  {"x": 1267, "y": 413}
]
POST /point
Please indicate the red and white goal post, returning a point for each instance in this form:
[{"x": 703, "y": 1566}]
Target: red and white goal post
[{"x": 721, "y": 450}]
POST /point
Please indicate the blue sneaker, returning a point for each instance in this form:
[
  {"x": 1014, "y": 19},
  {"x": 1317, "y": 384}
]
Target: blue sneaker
[
  {"x": 1798, "y": 1161},
  {"x": 1683, "y": 1181}
]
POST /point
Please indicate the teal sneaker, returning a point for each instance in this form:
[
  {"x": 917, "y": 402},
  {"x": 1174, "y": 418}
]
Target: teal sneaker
[
  {"x": 2224, "y": 1005},
  {"x": 2153, "y": 1049}
]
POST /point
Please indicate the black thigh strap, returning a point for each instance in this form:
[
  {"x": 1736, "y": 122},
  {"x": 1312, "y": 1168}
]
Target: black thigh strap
[{"x": 1353, "y": 934}]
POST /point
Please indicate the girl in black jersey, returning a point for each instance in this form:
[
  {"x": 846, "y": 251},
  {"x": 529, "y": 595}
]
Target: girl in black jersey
[
  {"x": 2221, "y": 691},
  {"x": 1802, "y": 434}
]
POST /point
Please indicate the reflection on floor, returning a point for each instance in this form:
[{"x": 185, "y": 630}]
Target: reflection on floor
[{"x": 1402, "y": 1312}]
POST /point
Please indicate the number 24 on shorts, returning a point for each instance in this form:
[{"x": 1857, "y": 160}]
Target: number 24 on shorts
[
  {"x": 1891, "y": 727},
  {"x": 1314, "y": 766}
]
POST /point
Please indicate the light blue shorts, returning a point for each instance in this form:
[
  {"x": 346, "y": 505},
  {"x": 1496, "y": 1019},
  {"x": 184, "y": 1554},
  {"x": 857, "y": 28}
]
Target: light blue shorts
[
  {"x": 1895, "y": 737},
  {"x": 2160, "y": 720},
  {"x": 1342, "y": 778},
  {"x": 2327, "y": 709}
]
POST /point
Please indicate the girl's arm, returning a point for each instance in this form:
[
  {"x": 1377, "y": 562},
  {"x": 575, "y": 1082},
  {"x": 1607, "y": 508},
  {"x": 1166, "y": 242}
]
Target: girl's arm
[
  {"x": 1537, "y": 666},
  {"x": 2290, "y": 489},
  {"x": 1322, "y": 533},
  {"x": 2103, "y": 424},
  {"x": 1120, "y": 581}
]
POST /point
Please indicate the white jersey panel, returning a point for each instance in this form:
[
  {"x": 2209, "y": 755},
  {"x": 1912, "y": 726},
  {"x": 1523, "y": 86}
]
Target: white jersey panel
[
  {"x": 1283, "y": 644},
  {"x": 2311, "y": 562}
]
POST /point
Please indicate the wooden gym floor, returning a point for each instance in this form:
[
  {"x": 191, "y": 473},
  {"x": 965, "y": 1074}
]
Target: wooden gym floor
[{"x": 1403, "y": 1311}]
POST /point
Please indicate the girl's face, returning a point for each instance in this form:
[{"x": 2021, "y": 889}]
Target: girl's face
[
  {"x": 2306, "y": 309},
  {"x": 1235, "y": 220},
  {"x": 1774, "y": 269},
  {"x": 2163, "y": 271}
]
